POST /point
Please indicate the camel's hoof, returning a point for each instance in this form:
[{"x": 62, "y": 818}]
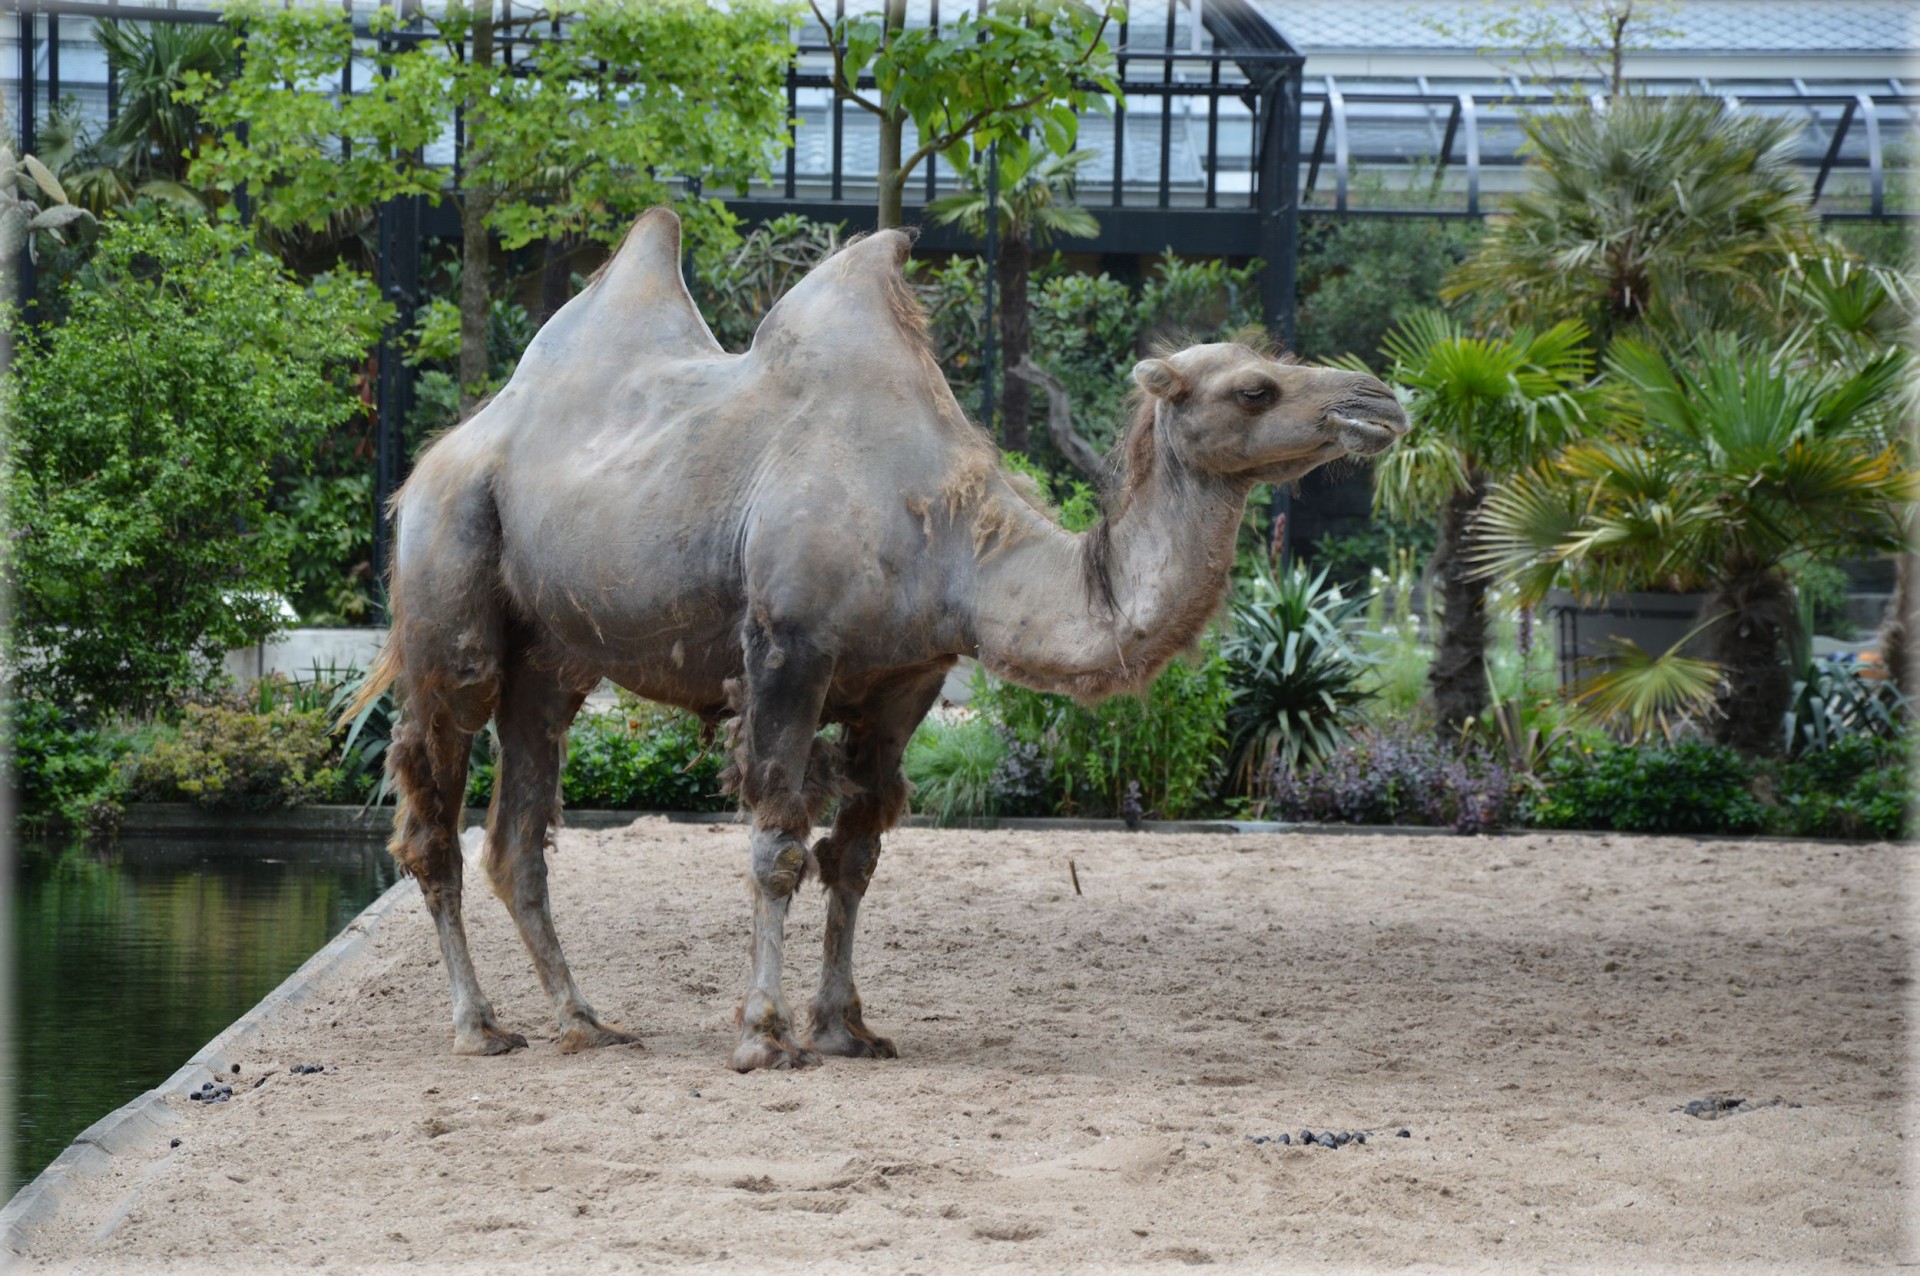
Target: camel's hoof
[
  {"x": 852, "y": 1041},
  {"x": 770, "y": 1052},
  {"x": 591, "y": 1036},
  {"x": 491, "y": 1040}
]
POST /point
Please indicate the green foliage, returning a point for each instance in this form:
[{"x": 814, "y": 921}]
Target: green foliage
[
  {"x": 65, "y": 772},
  {"x": 1835, "y": 703},
  {"x": 951, "y": 764},
  {"x": 434, "y": 351},
  {"x": 1663, "y": 214},
  {"x": 1478, "y": 405},
  {"x": 1858, "y": 787},
  {"x": 144, "y": 152},
  {"x": 1730, "y": 465},
  {"x": 1685, "y": 788},
  {"x": 1035, "y": 206},
  {"x": 583, "y": 132},
  {"x": 230, "y": 756},
  {"x": 1016, "y": 73},
  {"x": 634, "y": 757},
  {"x": 737, "y": 284},
  {"x": 326, "y": 521},
  {"x": 1076, "y": 504},
  {"x": 1089, "y": 330},
  {"x": 1167, "y": 741},
  {"x": 1821, "y": 589},
  {"x": 145, "y": 432},
  {"x": 1361, "y": 276},
  {"x": 1294, "y": 673}
]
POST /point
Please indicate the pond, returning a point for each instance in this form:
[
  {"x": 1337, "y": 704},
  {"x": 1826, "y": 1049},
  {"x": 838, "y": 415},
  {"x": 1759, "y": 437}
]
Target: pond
[{"x": 127, "y": 959}]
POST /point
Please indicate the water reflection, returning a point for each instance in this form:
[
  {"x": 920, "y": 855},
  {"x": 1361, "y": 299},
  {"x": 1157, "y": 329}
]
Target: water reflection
[{"x": 128, "y": 959}]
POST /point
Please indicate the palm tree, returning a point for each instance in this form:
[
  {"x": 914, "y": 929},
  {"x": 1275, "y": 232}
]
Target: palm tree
[
  {"x": 1034, "y": 206},
  {"x": 1719, "y": 472},
  {"x": 144, "y": 152},
  {"x": 1663, "y": 214},
  {"x": 1481, "y": 408}
]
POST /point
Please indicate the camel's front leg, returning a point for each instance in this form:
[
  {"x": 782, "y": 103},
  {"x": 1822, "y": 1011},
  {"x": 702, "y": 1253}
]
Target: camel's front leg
[
  {"x": 876, "y": 741},
  {"x": 784, "y": 689}
]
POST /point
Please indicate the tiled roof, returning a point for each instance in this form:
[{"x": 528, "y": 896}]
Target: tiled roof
[{"x": 1755, "y": 26}]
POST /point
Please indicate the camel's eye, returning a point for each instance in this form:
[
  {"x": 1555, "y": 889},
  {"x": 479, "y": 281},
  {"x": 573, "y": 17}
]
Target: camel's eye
[{"x": 1256, "y": 394}]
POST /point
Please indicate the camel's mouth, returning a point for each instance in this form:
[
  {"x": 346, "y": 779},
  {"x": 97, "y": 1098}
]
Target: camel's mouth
[{"x": 1363, "y": 437}]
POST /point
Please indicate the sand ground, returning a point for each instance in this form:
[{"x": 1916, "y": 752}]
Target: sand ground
[{"x": 1082, "y": 1075}]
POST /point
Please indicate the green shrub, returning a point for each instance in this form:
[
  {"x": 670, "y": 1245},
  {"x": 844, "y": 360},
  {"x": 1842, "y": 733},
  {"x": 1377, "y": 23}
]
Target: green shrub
[
  {"x": 635, "y": 757},
  {"x": 1860, "y": 787},
  {"x": 952, "y": 765},
  {"x": 144, "y": 431},
  {"x": 66, "y": 773},
  {"x": 226, "y": 756},
  {"x": 1685, "y": 788},
  {"x": 1167, "y": 741}
]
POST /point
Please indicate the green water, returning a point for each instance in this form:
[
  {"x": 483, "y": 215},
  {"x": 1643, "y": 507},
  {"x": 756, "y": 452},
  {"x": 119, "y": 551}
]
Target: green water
[{"x": 128, "y": 959}]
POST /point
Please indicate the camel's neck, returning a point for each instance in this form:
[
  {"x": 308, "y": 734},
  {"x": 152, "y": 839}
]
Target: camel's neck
[{"x": 1167, "y": 556}]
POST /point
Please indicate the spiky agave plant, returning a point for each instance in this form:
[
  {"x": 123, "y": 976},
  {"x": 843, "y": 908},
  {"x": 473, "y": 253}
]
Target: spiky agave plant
[{"x": 1294, "y": 672}]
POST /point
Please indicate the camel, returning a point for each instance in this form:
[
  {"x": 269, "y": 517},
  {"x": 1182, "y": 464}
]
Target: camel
[{"x": 806, "y": 534}]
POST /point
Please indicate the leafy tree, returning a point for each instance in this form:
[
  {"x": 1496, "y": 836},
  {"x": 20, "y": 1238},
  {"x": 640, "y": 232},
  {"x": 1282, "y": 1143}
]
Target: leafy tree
[
  {"x": 1359, "y": 276},
  {"x": 1035, "y": 203},
  {"x": 1721, "y": 473},
  {"x": 1667, "y": 216},
  {"x": 144, "y": 433},
  {"x": 737, "y": 284},
  {"x": 1481, "y": 408},
  {"x": 580, "y": 133},
  {"x": 980, "y": 79}
]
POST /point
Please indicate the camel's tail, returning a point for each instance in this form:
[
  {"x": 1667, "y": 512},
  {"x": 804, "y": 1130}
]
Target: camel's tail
[{"x": 383, "y": 674}]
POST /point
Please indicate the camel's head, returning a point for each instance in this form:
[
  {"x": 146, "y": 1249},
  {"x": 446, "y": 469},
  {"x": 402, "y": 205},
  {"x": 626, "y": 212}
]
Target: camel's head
[{"x": 1227, "y": 409}]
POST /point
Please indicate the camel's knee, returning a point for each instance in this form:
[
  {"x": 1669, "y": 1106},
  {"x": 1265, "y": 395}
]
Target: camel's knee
[
  {"x": 778, "y": 861},
  {"x": 847, "y": 860}
]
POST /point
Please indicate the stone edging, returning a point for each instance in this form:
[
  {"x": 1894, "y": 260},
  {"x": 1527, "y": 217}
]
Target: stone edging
[{"x": 148, "y": 1118}]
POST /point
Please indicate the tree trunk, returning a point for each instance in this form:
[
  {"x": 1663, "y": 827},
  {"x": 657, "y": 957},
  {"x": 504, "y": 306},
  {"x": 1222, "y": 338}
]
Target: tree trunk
[
  {"x": 556, "y": 278},
  {"x": 1014, "y": 269},
  {"x": 476, "y": 203},
  {"x": 893, "y": 182},
  {"x": 1458, "y": 677},
  {"x": 1758, "y": 613},
  {"x": 1902, "y": 625}
]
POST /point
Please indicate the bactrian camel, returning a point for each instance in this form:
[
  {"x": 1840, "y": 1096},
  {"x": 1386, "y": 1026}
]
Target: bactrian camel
[{"x": 805, "y": 534}]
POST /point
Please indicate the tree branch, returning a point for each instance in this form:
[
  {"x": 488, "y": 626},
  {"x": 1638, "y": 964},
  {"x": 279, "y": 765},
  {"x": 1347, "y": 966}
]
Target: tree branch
[
  {"x": 1060, "y": 420},
  {"x": 841, "y": 87}
]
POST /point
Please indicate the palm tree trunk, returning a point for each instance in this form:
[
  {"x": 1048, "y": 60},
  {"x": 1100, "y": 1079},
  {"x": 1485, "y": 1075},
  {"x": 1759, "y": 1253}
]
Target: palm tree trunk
[
  {"x": 1757, "y": 610},
  {"x": 1014, "y": 269},
  {"x": 1458, "y": 677},
  {"x": 1902, "y": 625}
]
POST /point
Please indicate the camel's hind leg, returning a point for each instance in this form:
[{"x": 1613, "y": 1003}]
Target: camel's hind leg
[
  {"x": 428, "y": 761},
  {"x": 876, "y": 740},
  {"x": 536, "y": 708}
]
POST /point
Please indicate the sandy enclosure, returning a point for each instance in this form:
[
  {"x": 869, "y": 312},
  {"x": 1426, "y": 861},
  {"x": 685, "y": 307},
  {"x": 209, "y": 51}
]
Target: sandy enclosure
[{"x": 1082, "y": 1075}]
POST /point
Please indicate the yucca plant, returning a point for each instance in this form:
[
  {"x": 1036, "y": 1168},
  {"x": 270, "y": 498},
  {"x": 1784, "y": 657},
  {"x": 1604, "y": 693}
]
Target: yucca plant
[
  {"x": 952, "y": 764},
  {"x": 1481, "y": 407},
  {"x": 1294, "y": 673},
  {"x": 1721, "y": 472}
]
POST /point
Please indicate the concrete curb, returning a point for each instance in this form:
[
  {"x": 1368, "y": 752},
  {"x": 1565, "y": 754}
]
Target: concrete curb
[
  {"x": 185, "y": 820},
  {"x": 145, "y": 1121}
]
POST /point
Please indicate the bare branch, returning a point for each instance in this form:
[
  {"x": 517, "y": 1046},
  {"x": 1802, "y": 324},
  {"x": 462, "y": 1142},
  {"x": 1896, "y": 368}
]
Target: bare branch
[{"x": 1060, "y": 420}]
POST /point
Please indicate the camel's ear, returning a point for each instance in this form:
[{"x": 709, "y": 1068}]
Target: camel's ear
[{"x": 1160, "y": 379}]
